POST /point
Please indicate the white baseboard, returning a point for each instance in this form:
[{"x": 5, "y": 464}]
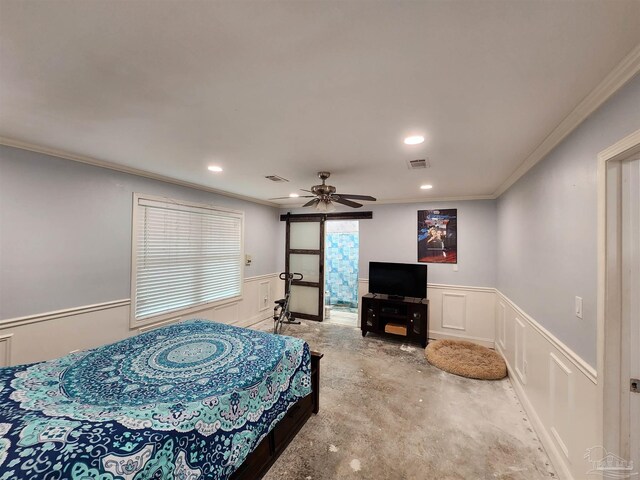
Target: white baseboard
[
  {"x": 549, "y": 446},
  {"x": 485, "y": 342}
]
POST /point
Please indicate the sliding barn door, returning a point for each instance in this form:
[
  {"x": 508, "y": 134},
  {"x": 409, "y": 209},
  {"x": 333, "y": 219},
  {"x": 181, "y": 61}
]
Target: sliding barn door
[{"x": 305, "y": 254}]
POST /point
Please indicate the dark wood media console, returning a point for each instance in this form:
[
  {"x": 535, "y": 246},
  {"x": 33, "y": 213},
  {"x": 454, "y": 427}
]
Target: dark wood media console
[
  {"x": 269, "y": 449},
  {"x": 402, "y": 318}
]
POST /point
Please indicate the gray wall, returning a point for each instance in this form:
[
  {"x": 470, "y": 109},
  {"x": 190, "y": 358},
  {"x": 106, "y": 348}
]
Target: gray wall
[
  {"x": 65, "y": 231},
  {"x": 391, "y": 236},
  {"x": 547, "y": 227}
]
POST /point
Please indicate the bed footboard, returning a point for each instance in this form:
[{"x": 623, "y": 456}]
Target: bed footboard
[{"x": 267, "y": 452}]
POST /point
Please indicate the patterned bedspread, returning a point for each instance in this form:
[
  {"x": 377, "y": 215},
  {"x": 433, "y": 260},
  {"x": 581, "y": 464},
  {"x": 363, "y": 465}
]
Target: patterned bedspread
[{"x": 188, "y": 401}]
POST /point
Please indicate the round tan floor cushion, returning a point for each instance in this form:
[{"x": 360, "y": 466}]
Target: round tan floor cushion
[{"x": 466, "y": 359}]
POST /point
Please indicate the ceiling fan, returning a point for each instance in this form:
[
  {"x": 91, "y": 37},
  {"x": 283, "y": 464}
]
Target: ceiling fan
[{"x": 324, "y": 196}]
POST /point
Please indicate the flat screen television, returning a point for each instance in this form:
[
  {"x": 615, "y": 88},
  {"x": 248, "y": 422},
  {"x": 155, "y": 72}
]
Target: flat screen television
[{"x": 398, "y": 279}]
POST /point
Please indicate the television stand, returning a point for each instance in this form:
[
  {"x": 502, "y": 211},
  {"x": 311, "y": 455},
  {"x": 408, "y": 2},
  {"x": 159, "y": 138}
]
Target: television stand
[
  {"x": 404, "y": 317},
  {"x": 395, "y": 297}
]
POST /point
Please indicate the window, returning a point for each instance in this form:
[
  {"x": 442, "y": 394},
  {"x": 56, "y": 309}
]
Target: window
[{"x": 183, "y": 255}]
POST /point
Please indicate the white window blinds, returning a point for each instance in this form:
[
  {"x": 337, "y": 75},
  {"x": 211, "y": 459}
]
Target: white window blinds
[{"x": 184, "y": 255}]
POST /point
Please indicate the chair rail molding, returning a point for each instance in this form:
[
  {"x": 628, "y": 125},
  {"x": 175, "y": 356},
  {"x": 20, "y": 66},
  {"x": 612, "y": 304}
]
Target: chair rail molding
[{"x": 28, "y": 339}]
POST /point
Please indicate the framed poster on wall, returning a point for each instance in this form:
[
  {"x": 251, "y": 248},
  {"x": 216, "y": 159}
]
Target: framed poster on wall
[{"x": 438, "y": 236}]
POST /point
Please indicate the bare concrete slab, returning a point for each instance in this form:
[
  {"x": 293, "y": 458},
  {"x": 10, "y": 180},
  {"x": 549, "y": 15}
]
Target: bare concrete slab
[{"x": 385, "y": 413}]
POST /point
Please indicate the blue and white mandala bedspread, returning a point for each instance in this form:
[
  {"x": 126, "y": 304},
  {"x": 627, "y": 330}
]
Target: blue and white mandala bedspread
[{"x": 188, "y": 401}]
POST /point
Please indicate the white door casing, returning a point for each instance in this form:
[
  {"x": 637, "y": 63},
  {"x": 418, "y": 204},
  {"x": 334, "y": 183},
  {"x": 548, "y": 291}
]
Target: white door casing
[
  {"x": 630, "y": 352},
  {"x": 618, "y": 422}
]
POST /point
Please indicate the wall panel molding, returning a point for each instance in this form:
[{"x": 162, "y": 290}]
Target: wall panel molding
[
  {"x": 454, "y": 311},
  {"x": 53, "y": 334},
  {"x": 464, "y": 288},
  {"x": 5, "y": 350},
  {"x": 502, "y": 325},
  {"x": 560, "y": 401},
  {"x": 583, "y": 366},
  {"x": 559, "y": 394},
  {"x": 67, "y": 312},
  {"x": 264, "y": 296},
  {"x": 521, "y": 349},
  {"x": 479, "y": 312}
]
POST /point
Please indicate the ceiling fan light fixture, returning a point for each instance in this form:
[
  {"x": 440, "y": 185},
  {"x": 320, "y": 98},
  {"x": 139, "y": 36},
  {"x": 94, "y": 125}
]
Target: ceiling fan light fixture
[
  {"x": 426, "y": 187},
  {"x": 325, "y": 206},
  {"x": 214, "y": 168},
  {"x": 414, "y": 140}
]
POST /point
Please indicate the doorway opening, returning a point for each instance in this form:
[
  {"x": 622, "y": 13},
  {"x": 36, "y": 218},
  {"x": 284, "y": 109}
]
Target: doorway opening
[{"x": 342, "y": 248}]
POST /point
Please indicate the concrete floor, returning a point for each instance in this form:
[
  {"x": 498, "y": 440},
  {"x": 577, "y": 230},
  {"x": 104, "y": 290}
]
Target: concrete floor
[
  {"x": 386, "y": 414},
  {"x": 349, "y": 319}
]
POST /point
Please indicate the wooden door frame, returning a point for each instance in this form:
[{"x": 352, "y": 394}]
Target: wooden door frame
[
  {"x": 320, "y": 252},
  {"x": 322, "y": 218},
  {"x": 609, "y": 300},
  {"x": 368, "y": 215}
]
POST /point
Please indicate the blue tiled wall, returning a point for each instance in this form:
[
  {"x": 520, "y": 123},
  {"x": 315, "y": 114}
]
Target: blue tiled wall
[{"x": 341, "y": 268}]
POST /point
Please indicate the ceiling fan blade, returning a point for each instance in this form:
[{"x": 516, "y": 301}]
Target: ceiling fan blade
[
  {"x": 305, "y": 190},
  {"x": 344, "y": 201},
  {"x": 291, "y": 198},
  {"x": 357, "y": 197},
  {"x": 312, "y": 202}
]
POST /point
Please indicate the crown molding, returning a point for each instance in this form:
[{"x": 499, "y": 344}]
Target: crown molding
[
  {"x": 422, "y": 200},
  {"x": 614, "y": 81},
  {"x": 460, "y": 198},
  {"x": 9, "y": 142}
]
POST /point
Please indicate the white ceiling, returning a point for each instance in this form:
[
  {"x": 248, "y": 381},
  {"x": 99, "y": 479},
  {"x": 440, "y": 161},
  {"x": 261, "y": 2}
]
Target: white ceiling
[{"x": 290, "y": 88}]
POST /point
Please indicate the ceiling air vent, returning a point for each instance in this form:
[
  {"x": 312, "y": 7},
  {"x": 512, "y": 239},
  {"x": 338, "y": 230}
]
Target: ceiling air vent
[
  {"x": 276, "y": 178},
  {"x": 415, "y": 164}
]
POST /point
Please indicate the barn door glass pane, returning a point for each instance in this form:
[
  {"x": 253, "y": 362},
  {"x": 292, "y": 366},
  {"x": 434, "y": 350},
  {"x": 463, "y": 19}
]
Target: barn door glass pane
[{"x": 304, "y": 236}]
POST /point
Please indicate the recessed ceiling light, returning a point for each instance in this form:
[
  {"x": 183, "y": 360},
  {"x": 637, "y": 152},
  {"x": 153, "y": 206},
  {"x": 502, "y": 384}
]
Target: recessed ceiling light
[
  {"x": 426, "y": 187},
  {"x": 214, "y": 168},
  {"x": 414, "y": 140},
  {"x": 294, "y": 195}
]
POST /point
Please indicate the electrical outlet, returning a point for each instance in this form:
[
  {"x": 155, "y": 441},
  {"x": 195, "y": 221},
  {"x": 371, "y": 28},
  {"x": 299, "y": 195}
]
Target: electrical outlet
[{"x": 578, "y": 309}]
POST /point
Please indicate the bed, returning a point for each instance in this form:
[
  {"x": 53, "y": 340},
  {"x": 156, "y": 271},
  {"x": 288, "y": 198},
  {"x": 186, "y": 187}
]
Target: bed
[{"x": 194, "y": 400}]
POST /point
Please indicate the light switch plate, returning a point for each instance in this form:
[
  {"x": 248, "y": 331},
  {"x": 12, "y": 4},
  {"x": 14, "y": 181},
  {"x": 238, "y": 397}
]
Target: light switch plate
[
  {"x": 578, "y": 309},
  {"x": 455, "y": 267}
]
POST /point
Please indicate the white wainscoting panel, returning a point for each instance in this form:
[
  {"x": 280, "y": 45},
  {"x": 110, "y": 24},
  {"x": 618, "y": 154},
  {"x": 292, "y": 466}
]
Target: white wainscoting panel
[
  {"x": 164, "y": 323},
  {"x": 222, "y": 313},
  {"x": 54, "y": 334},
  {"x": 454, "y": 311},
  {"x": 521, "y": 349},
  {"x": 560, "y": 401},
  {"x": 5, "y": 350},
  {"x": 560, "y": 393},
  {"x": 556, "y": 387},
  {"x": 466, "y": 313},
  {"x": 501, "y": 321},
  {"x": 265, "y": 301}
]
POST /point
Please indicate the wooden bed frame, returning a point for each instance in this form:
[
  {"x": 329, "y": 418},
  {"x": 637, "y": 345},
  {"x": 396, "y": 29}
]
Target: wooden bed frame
[{"x": 269, "y": 449}]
